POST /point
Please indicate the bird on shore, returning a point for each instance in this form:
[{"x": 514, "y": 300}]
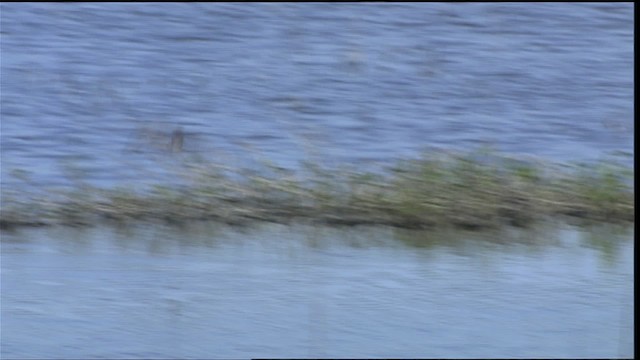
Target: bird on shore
[
  {"x": 177, "y": 140},
  {"x": 172, "y": 142}
]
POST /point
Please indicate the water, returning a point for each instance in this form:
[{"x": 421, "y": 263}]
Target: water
[
  {"x": 93, "y": 91},
  {"x": 81, "y": 84},
  {"x": 278, "y": 291}
]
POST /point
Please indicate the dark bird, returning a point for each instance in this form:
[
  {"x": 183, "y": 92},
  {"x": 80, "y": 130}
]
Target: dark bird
[{"x": 177, "y": 140}]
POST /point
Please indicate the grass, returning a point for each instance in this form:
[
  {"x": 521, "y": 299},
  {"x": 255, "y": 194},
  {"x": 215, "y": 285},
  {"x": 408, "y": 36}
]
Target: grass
[{"x": 472, "y": 191}]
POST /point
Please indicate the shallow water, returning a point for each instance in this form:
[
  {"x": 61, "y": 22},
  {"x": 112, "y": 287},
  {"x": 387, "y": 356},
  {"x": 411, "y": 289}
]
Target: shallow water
[
  {"x": 276, "y": 291},
  {"x": 93, "y": 90}
]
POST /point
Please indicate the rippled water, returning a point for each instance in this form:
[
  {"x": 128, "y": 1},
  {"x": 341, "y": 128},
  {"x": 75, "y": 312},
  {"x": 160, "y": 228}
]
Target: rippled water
[
  {"x": 83, "y": 85},
  {"x": 277, "y": 291},
  {"x": 95, "y": 90}
]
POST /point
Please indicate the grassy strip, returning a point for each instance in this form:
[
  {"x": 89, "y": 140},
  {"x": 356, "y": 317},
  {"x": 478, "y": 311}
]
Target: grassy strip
[{"x": 479, "y": 190}]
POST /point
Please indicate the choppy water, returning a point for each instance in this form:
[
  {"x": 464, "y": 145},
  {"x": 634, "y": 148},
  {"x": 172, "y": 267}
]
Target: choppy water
[
  {"x": 276, "y": 291},
  {"x": 81, "y": 84}
]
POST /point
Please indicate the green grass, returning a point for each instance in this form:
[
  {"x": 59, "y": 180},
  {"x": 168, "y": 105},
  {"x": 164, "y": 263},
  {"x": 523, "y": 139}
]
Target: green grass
[{"x": 473, "y": 191}]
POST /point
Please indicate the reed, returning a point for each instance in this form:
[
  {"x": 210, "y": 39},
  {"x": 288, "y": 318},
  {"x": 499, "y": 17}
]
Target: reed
[{"x": 475, "y": 190}]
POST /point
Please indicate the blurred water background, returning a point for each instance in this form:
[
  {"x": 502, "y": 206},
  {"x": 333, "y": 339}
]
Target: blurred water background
[
  {"x": 95, "y": 91},
  {"x": 85, "y": 86}
]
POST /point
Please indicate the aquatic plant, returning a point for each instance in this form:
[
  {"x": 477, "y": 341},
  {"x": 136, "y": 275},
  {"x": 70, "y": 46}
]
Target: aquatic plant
[{"x": 474, "y": 190}]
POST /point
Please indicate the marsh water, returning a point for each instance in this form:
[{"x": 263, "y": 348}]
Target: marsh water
[
  {"x": 86, "y": 86},
  {"x": 299, "y": 291},
  {"x": 92, "y": 92}
]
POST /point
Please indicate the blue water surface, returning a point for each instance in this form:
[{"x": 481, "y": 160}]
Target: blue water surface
[{"x": 84, "y": 85}]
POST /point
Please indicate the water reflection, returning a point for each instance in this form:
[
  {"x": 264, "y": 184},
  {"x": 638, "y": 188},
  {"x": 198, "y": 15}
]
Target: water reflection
[
  {"x": 306, "y": 291},
  {"x": 165, "y": 239}
]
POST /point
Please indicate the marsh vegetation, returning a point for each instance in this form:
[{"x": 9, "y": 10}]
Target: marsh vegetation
[{"x": 438, "y": 189}]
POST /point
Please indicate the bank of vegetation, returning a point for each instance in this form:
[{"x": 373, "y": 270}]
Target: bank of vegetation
[{"x": 473, "y": 191}]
